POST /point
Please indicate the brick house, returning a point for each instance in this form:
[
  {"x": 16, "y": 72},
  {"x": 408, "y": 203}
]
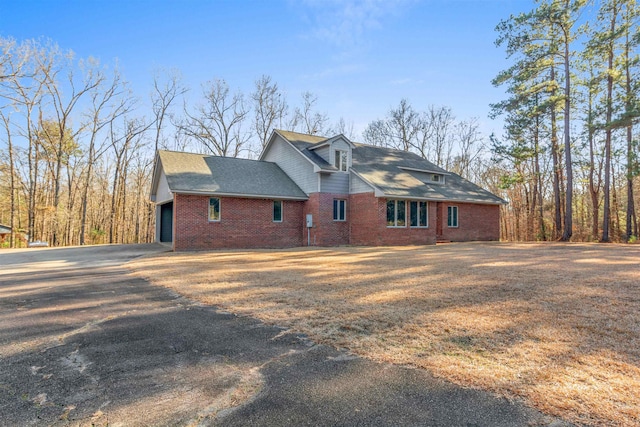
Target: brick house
[{"x": 313, "y": 190}]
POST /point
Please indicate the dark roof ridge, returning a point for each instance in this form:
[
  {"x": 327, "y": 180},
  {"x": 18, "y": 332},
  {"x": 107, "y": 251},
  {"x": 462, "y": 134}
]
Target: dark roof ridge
[
  {"x": 302, "y": 133},
  {"x": 388, "y": 148},
  {"x": 356, "y": 143},
  {"x": 214, "y": 155}
]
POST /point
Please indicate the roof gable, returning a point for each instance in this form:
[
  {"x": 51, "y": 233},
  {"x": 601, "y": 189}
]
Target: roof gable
[
  {"x": 302, "y": 143},
  {"x": 392, "y": 173}
]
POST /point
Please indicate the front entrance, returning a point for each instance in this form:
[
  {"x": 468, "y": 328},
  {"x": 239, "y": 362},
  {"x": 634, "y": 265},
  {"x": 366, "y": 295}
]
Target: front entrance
[{"x": 166, "y": 222}]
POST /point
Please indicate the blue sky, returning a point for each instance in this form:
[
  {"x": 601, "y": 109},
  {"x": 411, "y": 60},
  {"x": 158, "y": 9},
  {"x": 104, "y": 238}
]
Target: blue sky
[{"x": 360, "y": 57}]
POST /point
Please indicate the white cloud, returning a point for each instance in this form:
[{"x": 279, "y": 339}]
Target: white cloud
[{"x": 346, "y": 23}]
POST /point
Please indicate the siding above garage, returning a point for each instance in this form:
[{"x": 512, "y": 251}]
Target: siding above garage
[{"x": 163, "y": 194}]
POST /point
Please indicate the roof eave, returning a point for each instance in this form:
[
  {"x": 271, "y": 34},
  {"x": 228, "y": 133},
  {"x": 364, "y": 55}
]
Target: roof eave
[
  {"x": 240, "y": 195},
  {"x": 318, "y": 145},
  {"x": 317, "y": 168},
  {"x": 432, "y": 199},
  {"x": 271, "y": 138}
]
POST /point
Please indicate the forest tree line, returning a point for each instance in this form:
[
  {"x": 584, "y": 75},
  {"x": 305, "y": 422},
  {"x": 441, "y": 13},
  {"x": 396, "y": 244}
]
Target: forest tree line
[
  {"x": 77, "y": 145},
  {"x": 569, "y": 153}
]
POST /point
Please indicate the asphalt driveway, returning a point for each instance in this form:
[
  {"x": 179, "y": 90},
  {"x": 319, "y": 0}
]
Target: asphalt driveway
[{"x": 84, "y": 343}]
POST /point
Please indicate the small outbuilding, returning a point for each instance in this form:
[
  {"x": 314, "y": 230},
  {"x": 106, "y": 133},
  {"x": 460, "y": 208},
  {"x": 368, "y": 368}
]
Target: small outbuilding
[{"x": 5, "y": 232}]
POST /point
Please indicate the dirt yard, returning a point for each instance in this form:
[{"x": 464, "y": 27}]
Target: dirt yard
[{"x": 557, "y": 325}]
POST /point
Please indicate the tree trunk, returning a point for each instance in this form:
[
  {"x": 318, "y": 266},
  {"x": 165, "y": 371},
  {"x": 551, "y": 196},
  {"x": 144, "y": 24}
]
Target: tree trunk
[
  {"x": 557, "y": 175},
  {"x": 594, "y": 191},
  {"x": 33, "y": 182},
  {"x": 616, "y": 225},
  {"x": 632, "y": 223},
  {"x": 12, "y": 182},
  {"x": 85, "y": 194},
  {"x": 114, "y": 188},
  {"x": 568, "y": 208}
]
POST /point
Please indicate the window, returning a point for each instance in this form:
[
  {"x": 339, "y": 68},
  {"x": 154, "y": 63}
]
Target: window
[
  {"x": 396, "y": 213},
  {"x": 452, "y": 216},
  {"x": 340, "y": 160},
  {"x": 418, "y": 214},
  {"x": 277, "y": 211},
  {"x": 214, "y": 209},
  {"x": 339, "y": 210},
  {"x": 435, "y": 178}
]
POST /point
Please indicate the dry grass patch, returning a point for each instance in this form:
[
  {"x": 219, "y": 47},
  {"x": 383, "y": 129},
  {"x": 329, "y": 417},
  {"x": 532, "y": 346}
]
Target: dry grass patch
[{"x": 554, "y": 324}]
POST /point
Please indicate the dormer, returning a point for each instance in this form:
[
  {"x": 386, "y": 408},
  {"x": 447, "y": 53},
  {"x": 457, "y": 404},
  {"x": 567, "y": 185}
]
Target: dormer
[
  {"x": 427, "y": 176},
  {"x": 336, "y": 151}
]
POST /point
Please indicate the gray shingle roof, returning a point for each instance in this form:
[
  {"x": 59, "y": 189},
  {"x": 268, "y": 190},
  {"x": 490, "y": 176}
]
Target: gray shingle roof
[
  {"x": 383, "y": 168},
  {"x": 205, "y": 174}
]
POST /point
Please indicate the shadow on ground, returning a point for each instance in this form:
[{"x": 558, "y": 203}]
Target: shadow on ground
[{"x": 84, "y": 343}]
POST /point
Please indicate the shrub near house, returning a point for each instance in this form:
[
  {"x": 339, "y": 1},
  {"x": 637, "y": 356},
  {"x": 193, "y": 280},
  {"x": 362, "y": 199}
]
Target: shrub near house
[{"x": 312, "y": 190}]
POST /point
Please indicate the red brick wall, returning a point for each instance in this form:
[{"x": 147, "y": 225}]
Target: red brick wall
[
  {"x": 366, "y": 219},
  {"x": 247, "y": 223},
  {"x": 369, "y": 224},
  {"x": 244, "y": 223},
  {"x": 475, "y": 222},
  {"x": 326, "y": 231}
]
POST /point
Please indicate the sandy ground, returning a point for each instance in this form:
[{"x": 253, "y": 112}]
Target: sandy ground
[{"x": 554, "y": 324}]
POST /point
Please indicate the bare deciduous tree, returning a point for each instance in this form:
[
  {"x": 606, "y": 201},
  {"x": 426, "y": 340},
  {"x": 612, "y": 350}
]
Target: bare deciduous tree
[
  {"x": 470, "y": 146},
  {"x": 344, "y": 128},
  {"x": 25, "y": 91},
  {"x": 306, "y": 119},
  {"x": 61, "y": 136},
  {"x": 269, "y": 107},
  {"x": 218, "y": 123},
  {"x": 162, "y": 98},
  {"x": 126, "y": 143},
  {"x": 440, "y": 121},
  {"x": 109, "y": 101},
  {"x": 12, "y": 178},
  {"x": 399, "y": 130}
]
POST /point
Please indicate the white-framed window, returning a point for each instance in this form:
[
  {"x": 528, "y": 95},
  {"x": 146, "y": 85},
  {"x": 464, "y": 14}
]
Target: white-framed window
[
  {"x": 452, "y": 216},
  {"x": 340, "y": 160},
  {"x": 418, "y": 214},
  {"x": 396, "y": 213},
  {"x": 339, "y": 210},
  {"x": 214, "y": 209},
  {"x": 277, "y": 211}
]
